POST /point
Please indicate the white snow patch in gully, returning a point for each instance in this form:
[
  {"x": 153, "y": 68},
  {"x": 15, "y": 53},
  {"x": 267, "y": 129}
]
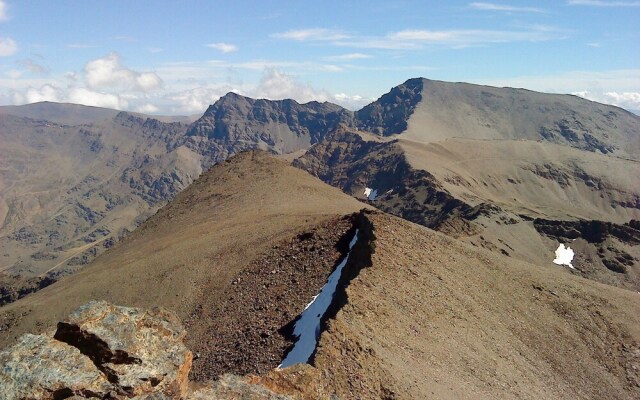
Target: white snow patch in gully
[
  {"x": 564, "y": 256},
  {"x": 370, "y": 193},
  {"x": 307, "y": 328}
]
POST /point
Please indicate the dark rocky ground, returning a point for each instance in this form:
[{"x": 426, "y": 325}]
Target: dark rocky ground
[{"x": 252, "y": 322}]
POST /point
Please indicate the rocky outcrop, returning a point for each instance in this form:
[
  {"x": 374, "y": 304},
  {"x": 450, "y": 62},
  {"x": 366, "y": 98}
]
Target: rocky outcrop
[
  {"x": 40, "y": 367},
  {"x": 14, "y": 288},
  {"x": 236, "y": 123},
  {"x": 389, "y": 114},
  {"x": 100, "y": 351},
  {"x": 103, "y": 351},
  {"x": 611, "y": 241},
  {"x": 347, "y": 161}
]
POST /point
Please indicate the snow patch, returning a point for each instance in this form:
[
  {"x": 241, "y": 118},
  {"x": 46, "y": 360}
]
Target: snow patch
[
  {"x": 370, "y": 193},
  {"x": 307, "y": 328},
  {"x": 564, "y": 256}
]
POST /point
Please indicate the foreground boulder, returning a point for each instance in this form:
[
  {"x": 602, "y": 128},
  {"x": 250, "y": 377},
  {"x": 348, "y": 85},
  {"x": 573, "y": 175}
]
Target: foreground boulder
[
  {"x": 101, "y": 351},
  {"x": 39, "y": 367}
]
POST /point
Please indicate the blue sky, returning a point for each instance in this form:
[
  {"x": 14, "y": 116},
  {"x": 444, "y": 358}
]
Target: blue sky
[{"x": 177, "y": 57}]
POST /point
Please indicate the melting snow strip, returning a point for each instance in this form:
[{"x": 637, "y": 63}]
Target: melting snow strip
[{"x": 307, "y": 328}]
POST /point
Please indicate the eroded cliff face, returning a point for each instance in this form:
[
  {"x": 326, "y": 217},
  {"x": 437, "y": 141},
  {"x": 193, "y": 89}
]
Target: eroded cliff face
[
  {"x": 236, "y": 123},
  {"x": 345, "y": 160}
]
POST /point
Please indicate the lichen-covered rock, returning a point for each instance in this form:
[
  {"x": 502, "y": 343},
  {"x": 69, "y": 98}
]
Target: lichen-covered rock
[
  {"x": 108, "y": 352},
  {"x": 140, "y": 351},
  {"x": 39, "y": 367}
]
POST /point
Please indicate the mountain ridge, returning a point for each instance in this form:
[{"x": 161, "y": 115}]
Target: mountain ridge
[{"x": 149, "y": 162}]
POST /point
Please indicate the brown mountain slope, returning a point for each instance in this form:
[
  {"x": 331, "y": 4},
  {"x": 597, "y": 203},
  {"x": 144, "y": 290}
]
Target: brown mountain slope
[
  {"x": 429, "y": 111},
  {"x": 242, "y": 250},
  {"x": 60, "y": 113},
  {"x": 435, "y": 318},
  {"x": 187, "y": 255},
  {"x": 68, "y": 192},
  {"x": 482, "y": 163},
  {"x": 74, "y": 179},
  {"x": 497, "y": 195}
]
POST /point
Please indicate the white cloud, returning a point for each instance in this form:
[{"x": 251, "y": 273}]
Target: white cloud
[
  {"x": 504, "y": 7},
  {"x": 146, "y": 81},
  {"x": 415, "y": 39},
  {"x": 476, "y": 36},
  {"x": 194, "y": 101},
  {"x": 147, "y": 109},
  {"x": 276, "y": 85},
  {"x": 44, "y": 93},
  {"x": 348, "y": 57},
  {"x": 600, "y": 3},
  {"x": 314, "y": 34},
  {"x": 155, "y": 50},
  {"x": 627, "y": 100},
  {"x": 97, "y": 99},
  {"x": 3, "y": 11},
  {"x": 352, "y": 102},
  {"x": 107, "y": 73},
  {"x": 8, "y": 47},
  {"x": 223, "y": 47}
]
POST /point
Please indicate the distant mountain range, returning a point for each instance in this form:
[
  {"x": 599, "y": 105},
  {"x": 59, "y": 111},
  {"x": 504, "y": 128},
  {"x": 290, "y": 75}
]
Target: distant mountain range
[{"x": 495, "y": 167}]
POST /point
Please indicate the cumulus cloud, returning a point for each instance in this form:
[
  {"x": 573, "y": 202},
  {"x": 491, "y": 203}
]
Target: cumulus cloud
[
  {"x": 147, "y": 109},
  {"x": 97, "y": 99},
  {"x": 108, "y": 73},
  {"x": 223, "y": 47},
  {"x": 44, "y": 93},
  {"x": 352, "y": 102},
  {"x": 194, "y": 101},
  {"x": 77, "y": 95},
  {"x": 8, "y": 46},
  {"x": 627, "y": 100},
  {"x": 276, "y": 85}
]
